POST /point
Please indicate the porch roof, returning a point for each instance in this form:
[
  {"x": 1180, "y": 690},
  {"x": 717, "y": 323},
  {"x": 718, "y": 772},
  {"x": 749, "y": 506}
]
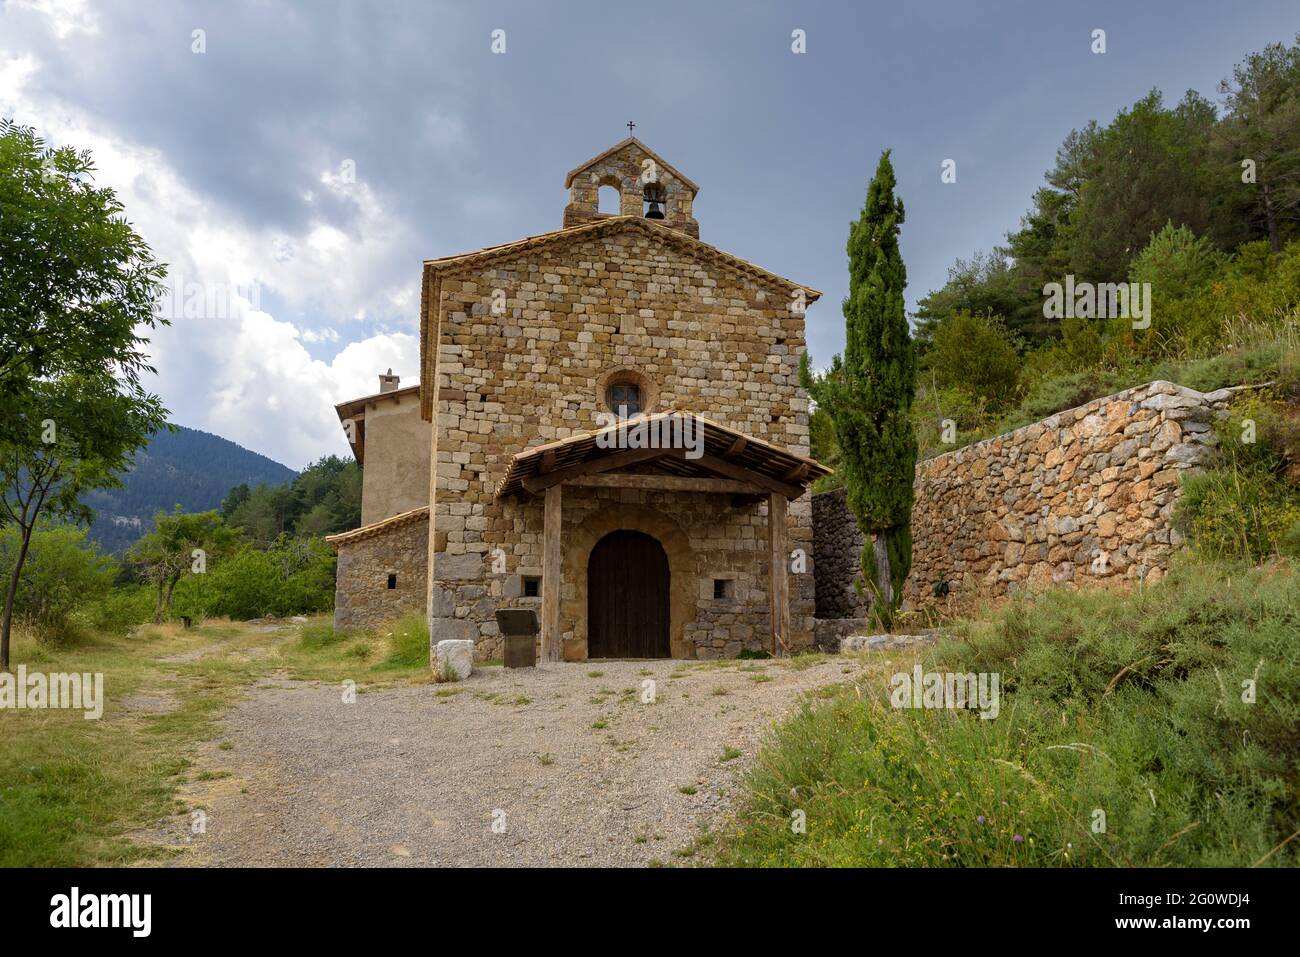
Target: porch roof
[{"x": 727, "y": 454}]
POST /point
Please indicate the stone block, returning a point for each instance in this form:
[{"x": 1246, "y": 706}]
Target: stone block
[
  {"x": 453, "y": 659},
  {"x": 466, "y": 567}
]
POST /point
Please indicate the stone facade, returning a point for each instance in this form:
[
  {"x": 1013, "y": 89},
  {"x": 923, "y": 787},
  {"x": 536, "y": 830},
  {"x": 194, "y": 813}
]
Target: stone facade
[
  {"x": 520, "y": 346},
  {"x": 1082, "y": 497},
  {"x": 713, "y": 338},
  {"x": 370, "y": 559},
  {"x": 636, "y": 172}
]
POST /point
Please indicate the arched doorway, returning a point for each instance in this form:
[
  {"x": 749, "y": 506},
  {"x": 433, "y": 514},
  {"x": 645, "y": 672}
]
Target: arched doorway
[{"x": 627, "y": 597}]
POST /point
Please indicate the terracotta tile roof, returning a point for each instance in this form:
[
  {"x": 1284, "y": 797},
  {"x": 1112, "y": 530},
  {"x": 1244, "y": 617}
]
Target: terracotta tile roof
[
  {"x": 377, "y": 528},
  {"x": 435, "y": 269},
  {"x": 568, "y": 180},
  {"x": 760, "y": 458}
]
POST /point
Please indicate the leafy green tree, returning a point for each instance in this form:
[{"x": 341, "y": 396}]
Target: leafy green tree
[
  {"x": 975, "y": 355},
  {"x": 181, "y": 543},
  {"x": 1262, "y": 129},
  {"x": 1177, "y": 262},
  {"x": 1146, "y": 170},
  {"x": 986, "y": 284},
  {"x": 63, "y": 571},
  {"x": 868, "y": 393},
  {"x": 78, "y": 285},
  {"x": 294, "y": 576},
  {"x": 64, "y": 437},
  {"x": 237, "y": 497}
]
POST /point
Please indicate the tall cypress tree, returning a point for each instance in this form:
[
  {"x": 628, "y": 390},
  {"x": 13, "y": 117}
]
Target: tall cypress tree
[{"x": 868, "y": 394}]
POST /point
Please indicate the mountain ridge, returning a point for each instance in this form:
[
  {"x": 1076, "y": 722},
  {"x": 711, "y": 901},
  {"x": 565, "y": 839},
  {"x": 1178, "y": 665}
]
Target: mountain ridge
[{"x": 187, "y": 467}]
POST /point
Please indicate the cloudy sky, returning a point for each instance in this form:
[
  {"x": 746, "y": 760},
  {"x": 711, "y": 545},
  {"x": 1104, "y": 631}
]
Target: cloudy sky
[{"x": 236, "y": 163}]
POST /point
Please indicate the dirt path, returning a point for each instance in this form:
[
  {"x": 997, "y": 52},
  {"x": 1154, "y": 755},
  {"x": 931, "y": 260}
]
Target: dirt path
[{"x": 566, "y": 758}]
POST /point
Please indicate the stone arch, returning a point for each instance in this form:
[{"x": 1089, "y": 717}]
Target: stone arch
[
  {"x": 609, "y": 182},
  {"x": 627, "y": 374},
  {"x": 612, "y": 517}
]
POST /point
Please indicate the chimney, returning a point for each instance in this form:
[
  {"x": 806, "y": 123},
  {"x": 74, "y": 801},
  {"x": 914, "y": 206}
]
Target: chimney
[{"x": 388, "y": 383}]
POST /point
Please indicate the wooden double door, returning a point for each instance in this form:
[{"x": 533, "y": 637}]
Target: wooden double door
[{"x": 627, "y": 598}]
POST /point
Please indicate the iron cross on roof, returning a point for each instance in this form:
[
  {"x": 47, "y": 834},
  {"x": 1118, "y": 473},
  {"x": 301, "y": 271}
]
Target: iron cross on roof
[{"x": 630, "y": 127}]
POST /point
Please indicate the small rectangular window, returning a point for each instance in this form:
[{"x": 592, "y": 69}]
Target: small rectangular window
[
  {"x": 532, "y": 586},
  {"x": 722, "y": 587},
  {"x": 392, "y": 581}
]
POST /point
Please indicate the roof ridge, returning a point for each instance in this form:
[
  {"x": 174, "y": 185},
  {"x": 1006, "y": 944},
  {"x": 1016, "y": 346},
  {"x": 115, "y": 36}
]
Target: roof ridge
[
  {"x": 685, "y": 180},
  {"x": 449, "y": 264},
  {"x": 376, "y": 528}
]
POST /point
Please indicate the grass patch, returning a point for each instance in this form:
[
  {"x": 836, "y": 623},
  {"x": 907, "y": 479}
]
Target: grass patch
[
  {"x": 408, "y": 644},
  {"x": 72, "y": 791},
  {"x": 1128, "y": 705}
]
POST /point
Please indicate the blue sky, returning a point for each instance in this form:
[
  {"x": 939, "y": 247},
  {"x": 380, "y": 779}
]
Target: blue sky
[{"x": 233, "y": 162}]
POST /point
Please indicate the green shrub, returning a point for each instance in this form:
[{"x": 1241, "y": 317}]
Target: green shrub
[
  {"x": 121, "y": 609},
  {"x": 1177, "y": 263},
  {"x": 1244, "y": 507},
  {"x": 293, "y": 577},
  {"x": 975, "y": 355},
  {"x": 63, "y": 571},
  {"x": 1128, "y": 705}
]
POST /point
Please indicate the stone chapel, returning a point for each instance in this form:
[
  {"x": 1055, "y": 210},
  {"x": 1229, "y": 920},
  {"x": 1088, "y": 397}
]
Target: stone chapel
[{"x": 512, "y": 475}]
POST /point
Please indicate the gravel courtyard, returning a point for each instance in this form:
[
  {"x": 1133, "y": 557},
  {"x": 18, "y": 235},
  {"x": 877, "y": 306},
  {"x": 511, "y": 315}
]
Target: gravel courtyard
[{"x": 566, "y": 759}]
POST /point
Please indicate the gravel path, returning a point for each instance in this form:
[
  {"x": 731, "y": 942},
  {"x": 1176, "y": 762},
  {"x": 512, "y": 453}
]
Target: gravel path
[{"x": 566, "y": 759}]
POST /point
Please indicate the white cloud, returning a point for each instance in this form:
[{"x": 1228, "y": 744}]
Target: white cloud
[
  {"x": 232, "y": 368},
  {"x": 65, "y": 16}
]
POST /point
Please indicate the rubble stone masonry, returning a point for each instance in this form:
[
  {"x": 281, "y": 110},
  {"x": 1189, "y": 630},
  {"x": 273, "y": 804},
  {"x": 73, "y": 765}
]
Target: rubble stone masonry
[
  {"x": 1081, "y": 497},
  {"x": 699, "y": 332}
]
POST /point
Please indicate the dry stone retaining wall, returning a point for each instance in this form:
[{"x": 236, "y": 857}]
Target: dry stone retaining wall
[
  {"x": 837, "y": 557},
  {"x": 1081, "y": 497}
]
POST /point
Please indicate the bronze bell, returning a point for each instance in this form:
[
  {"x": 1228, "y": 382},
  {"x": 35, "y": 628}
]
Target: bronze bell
[{"x": 655, "y": 211}]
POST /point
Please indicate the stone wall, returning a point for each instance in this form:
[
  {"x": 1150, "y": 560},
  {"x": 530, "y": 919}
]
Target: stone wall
[
  {"x": 837, "y": 556},
  {"x": 625, "y": 170},
  {"x": 1082, "y": 497},
  {"x": 716, "y": 339},
  {"x": 362, "y": 598}
]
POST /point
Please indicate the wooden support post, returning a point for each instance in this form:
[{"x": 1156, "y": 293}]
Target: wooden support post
[
  {"x": 779, "y": 589},
  {"x": 551, "y": 575}
]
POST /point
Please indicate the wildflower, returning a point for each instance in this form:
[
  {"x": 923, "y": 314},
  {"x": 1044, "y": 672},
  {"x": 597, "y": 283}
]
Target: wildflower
[
  {"x": 980, "y": 818},
  {"x": 1018, "y": 839}
]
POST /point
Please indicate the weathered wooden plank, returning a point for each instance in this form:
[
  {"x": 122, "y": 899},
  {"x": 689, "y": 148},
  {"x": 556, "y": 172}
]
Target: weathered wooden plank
[
  {"x": 737, "y": 447},
  {"x": 604, "y": 463},
  {"x": 741, "y": 474},
  {"x": 779, "y": 586},
  {"x": 551, "y": 520},
  {"x": 667, "y": 483}
]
